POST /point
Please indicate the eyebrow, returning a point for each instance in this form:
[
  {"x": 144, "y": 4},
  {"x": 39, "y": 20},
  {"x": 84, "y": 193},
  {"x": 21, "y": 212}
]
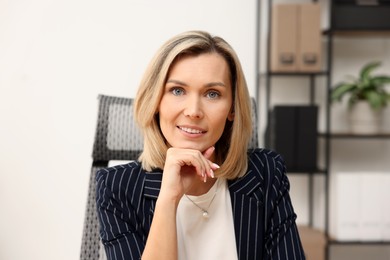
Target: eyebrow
[{"x": 210, "y": 84}]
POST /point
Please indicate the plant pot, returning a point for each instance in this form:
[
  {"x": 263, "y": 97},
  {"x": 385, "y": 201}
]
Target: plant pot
[{"x": 365, "y": 120}]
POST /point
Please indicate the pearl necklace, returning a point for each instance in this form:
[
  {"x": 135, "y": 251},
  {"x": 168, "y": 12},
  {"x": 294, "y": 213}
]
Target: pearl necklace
[{"x": 205, "y": 212}]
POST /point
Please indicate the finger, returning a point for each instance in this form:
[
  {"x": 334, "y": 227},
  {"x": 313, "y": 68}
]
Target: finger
[
  {"x": 207, "y": 154},
  {"x": 213, "y": 166},
  {"x": 206, "y": 167},
  {"x": 196, "y": 160},
  {"x": 199, "y": 161},
  {"x": 210, "y": 165}
]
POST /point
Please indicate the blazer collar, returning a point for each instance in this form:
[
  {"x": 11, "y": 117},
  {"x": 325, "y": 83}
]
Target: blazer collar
[
  {"x": 153, "y": 184},
  {"x": 245, "y": 185}
]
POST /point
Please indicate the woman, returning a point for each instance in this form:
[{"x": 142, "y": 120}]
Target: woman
[{"x": 196, "y": 191}]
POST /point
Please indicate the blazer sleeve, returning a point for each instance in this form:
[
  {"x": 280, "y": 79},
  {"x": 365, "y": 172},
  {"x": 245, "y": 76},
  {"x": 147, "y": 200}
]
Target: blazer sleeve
[
  {"x": 282, "y": 239},
  {"x": 120, "y": 230}
]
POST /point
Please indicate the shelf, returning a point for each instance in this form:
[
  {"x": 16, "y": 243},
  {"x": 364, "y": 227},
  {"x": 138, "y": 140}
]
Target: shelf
[
  {"x": 358, "y": 242},
  {"x": 355, "y": 136},
  {"x": 357, "y": 33},
  {"x": 296, "y": 74},
  {"x": 312, "y": 171}
]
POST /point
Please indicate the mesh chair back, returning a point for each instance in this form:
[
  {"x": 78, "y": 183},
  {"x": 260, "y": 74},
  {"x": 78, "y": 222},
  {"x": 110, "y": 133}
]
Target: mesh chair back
[
  {"x": 254, "y": 142},
  {"x": 117, "y": 137}
]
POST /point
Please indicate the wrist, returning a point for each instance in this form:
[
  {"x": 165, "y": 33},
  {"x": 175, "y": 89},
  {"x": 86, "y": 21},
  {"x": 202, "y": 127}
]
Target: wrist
[{"x": 168, "y": 200}]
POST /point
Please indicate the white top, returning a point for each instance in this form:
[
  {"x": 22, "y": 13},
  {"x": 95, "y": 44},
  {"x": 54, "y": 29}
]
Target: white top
[{"x": 206, "y": 238}]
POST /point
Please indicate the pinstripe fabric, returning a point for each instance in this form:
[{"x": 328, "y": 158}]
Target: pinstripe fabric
[{"x": 264, "y": 219}]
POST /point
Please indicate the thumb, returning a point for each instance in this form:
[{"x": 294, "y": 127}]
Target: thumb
[{"x": 207, "y": 154}]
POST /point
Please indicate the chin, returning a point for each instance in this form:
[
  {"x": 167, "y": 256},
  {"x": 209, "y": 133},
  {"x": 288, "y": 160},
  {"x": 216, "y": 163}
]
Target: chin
[{"x": 200, "y": 148}]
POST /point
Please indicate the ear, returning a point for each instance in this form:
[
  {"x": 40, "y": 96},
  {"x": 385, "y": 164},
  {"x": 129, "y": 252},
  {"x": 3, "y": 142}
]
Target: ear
[{"x": 231, "y": 115}]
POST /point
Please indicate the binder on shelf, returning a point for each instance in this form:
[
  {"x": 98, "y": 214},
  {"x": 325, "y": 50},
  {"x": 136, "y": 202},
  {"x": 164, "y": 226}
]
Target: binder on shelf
[
  {"x": 361, "y": 208},
  {"x": 346, "y": 207},
  {"x": 351, "y": 15},
  {"x": 371, "y": 208},
  {"x": 295, "y": 38},
  {"x": 292, "y": 132},
  {"x": 309, "y": 47},
  {"x": 282, "y": 133},
  {"x": 306, "y": 138},
  {"x": 386, "y": 207},
  {"x": 284, "y": 42}
]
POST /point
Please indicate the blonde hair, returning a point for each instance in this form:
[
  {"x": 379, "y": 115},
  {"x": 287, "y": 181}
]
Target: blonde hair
[{"x": 231, "y": 148}]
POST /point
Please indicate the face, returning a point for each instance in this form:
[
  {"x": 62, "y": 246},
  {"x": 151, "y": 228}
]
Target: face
[{"x": 197, "y": 101}]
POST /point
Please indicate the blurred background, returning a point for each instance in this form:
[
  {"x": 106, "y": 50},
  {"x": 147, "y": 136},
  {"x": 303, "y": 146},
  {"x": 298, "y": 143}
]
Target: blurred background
[{"x": 57, "y": 56}]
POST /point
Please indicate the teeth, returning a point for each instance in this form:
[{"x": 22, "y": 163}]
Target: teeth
[{"x": 190, "y": 130}]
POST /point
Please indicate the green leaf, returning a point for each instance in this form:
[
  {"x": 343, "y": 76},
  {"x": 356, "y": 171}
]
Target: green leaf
[
  {"x": 367, "y": 87},
  {"x": 367, "y": 69},
  {"x": 375, "y": 99},
  {"x": 341, "y": 89},
  {"x": 380, "y": 81}
]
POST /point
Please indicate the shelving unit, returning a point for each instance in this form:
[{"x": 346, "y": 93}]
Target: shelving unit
[
  {"x": 335, "y": 136},
  {"x": 327, "y": 136},
  {"x": 355, "y": 136},
  {"x": 312, "y": 77}
]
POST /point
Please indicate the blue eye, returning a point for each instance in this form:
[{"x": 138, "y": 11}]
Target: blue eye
[
  {"x": 213, "y": 94},
  {"x": 177, "y": 91}
]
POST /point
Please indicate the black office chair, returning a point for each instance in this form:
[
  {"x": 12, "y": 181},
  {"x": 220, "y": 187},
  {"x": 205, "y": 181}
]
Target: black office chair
[{"x": 117, "y": 138}]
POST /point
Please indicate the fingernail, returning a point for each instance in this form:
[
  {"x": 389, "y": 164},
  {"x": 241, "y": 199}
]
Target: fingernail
[
  {"x": 205, "y": 178},
  {"x": 212, "y": 173},
  {"x": 216, "y": 165}
]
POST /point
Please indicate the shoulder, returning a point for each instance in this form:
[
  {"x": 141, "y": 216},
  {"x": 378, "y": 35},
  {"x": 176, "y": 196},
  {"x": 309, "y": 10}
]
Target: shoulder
[
  {"x": 261, "y": 157},
  {"x": 121, "y": 178},
  {"x": 266, "y": 163},
  {"x": 265, "y": 167}
]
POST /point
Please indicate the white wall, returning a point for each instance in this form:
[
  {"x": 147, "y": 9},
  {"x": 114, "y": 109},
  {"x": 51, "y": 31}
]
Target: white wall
[{"x": 55, "y": 58}]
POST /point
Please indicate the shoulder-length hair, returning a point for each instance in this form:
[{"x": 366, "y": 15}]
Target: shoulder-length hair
[{"x": 231, "y": 148}]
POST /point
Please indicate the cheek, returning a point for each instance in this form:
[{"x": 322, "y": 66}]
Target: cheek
[
  {"x": 164, "y": 113},
  {"x": 221, "y": 120},
  {"x": 163, "y": 121}
]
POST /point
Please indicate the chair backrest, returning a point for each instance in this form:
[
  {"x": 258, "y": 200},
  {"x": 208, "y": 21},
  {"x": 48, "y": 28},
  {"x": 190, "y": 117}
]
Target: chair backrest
[{"x": 117, "y": 137}]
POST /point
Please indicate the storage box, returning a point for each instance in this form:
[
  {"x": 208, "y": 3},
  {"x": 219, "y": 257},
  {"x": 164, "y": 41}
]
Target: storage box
[
  {"x": 295, "y": 38},
  {"x": 309, "y": 38},
  {"x": 351, "y": 16},
  {"x": 292, "y": 132},
  {"x": 361, "y": 211},
  {"x": 284, "y": 40}
]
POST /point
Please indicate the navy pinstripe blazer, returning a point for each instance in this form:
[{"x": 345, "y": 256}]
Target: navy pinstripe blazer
[{"x": 264, "y": 219}]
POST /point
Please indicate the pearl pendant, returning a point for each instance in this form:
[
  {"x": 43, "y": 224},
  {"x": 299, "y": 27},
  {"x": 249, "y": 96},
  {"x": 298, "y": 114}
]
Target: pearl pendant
[{"x": 205, "y": 214}]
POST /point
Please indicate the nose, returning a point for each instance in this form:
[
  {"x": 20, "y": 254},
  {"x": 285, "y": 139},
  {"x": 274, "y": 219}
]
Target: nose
[{"x": 193, "y": 108}]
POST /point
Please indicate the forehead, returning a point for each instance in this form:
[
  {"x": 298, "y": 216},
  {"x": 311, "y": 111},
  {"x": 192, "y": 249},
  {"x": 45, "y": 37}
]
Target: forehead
[
  {"x": 210, "y": 62},
  {"x": 184, "y": 56}
]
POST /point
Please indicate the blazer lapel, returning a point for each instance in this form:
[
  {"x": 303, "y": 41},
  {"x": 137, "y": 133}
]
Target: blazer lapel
[
  {"x": 247, "y": 199},
  {"x": 152, "y": 188},
  {"x": 153, "y": 184}
]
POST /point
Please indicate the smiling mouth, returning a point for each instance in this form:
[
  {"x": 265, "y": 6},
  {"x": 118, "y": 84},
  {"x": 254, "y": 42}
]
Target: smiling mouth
[{"x": 191, "y": 130}]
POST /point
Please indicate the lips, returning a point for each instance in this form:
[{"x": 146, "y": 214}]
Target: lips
[{"x": 191, "y": 130}]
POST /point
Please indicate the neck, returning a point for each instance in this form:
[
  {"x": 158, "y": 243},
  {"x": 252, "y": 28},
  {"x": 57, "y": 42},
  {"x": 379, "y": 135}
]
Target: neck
[{"x": 199, "y": 187}]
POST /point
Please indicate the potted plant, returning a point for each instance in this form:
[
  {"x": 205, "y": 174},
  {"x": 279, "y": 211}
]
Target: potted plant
[{"x": 367, "y": 99}]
